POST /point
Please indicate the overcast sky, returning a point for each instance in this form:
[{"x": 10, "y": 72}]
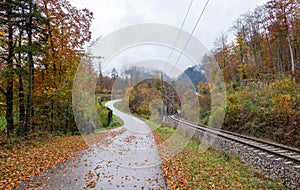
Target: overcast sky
[{"x": 218, "y": 17}]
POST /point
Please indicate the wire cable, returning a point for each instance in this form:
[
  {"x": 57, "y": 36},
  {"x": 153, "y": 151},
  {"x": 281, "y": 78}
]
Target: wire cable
[
  {"x": 199, "y": 18},
  {"x": 183, "y": 22}
]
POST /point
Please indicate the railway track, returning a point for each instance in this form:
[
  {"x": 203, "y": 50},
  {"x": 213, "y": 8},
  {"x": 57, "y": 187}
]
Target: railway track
[{"x": 287, "y": 154}]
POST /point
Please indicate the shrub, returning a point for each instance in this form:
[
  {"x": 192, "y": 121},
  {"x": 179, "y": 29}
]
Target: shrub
[
  {"x": 102, "y": 112},
  {"x": 270, "y": 112}
]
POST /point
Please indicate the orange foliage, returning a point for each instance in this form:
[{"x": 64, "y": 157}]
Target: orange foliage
[{"x": 283, "y": 105}]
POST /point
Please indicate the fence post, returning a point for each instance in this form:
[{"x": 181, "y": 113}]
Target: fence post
[{"x": 109, "y": 116}]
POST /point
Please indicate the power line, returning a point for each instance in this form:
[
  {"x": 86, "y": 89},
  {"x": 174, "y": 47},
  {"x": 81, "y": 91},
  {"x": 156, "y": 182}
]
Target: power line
[
  {"x": 178, "y": 35},
  {"x": 199, "y": 18},
  {"x": 183, "y": 22}
]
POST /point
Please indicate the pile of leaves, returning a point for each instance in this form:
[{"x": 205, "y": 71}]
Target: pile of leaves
[
  {"x": 212, "y": 169},
  {"x": 25, "y": 160},
  {"x": 29, "y": 158}
]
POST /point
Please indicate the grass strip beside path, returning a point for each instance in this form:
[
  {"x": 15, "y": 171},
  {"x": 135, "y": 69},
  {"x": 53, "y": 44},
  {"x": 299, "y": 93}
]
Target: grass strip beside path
[{"x": 212, "y": 169}]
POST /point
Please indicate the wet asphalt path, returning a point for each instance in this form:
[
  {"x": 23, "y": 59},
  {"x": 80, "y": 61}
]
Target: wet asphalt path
[{"x": 127, "y": 159}]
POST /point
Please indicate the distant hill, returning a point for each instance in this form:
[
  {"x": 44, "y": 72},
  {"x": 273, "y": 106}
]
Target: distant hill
[{"x": 195, "y": 74}]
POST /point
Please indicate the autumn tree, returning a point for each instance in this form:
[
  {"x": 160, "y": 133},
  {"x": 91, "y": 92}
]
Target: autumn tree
[
  {"x": 42, "y": 45},
  {"x": 7, "y": 23},
  {"x": 223, "y": 55},
  {"x": 66, "y": 33},
  {"x": 284, "y": 14},
  {"x": 265, "y": 46}
]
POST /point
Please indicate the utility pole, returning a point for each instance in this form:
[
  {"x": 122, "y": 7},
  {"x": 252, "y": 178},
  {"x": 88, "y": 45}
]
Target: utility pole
[
  {"x": 172, "y": 103},
  {"x": 162, "y": 93}
]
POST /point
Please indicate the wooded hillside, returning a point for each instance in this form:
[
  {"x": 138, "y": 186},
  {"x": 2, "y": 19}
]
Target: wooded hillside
[{"x": 261, "y": 67}]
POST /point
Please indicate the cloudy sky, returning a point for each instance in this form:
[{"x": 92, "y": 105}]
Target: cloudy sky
[{"x": 218, "y": 17}]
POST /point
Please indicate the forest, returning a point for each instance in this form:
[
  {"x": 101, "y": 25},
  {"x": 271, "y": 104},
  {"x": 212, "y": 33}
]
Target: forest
[
  {"x": 261, "y": 68},
  {"x": 42, "y": 44}
]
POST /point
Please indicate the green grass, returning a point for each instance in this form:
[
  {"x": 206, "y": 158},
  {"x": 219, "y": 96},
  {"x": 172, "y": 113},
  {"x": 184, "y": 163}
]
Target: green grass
[
  {"x": 104, "y": 102},
  {"x": 116, "y": 122},
  {"x": 165, "y": 130},
  {"x": 2, "y": 122},
  {"x": 212, "y": 169},
  {"x": 103, "y": 112}
]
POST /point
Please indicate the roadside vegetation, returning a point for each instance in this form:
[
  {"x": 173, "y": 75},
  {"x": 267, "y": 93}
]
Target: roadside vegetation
[
  {"x": 271, "y": 112},
  {"x": 103, "y": 114},
  {"x": 212, "y": 169}
]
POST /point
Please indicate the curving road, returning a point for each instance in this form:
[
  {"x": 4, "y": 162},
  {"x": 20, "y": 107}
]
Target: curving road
[{"x": 127, "y": 159}]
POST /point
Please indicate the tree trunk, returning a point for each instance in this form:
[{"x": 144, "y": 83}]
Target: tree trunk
[
  {"x": 289, "y": 45},
  {"x": 292, "y": 57},
  {"x": 280, "y": 58},
  {"x": 32, "y": 88},
  {"x": 10, "y": 82},
  {"x": 21, "y": 90},
  {"x": 29, "y": 77}
]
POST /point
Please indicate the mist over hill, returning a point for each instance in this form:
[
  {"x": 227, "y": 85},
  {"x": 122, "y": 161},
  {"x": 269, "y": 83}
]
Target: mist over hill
[{"x": 195, "y": 74}]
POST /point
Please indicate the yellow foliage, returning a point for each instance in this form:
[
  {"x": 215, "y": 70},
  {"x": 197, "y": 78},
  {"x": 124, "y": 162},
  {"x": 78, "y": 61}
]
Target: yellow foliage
[
  {"x": 2, "y": 33},
  {"x": 283, "y": 105},
  {"x": 127, "y": 95}
]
